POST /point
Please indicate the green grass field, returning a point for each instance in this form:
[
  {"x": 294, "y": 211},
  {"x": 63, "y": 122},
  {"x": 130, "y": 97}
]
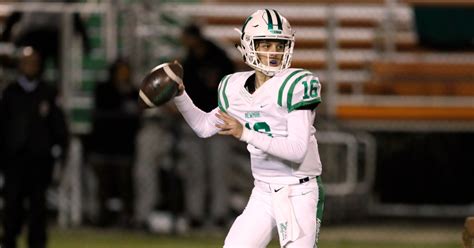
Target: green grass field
[{"x": 356, "y": 236}]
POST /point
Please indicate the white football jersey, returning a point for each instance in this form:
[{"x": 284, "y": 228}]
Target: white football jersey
[{"x": 266, "y": 111}]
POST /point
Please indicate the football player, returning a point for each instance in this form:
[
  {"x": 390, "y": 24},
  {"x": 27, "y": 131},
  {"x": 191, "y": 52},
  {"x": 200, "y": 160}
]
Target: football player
[{"x": 272, "y": 109}]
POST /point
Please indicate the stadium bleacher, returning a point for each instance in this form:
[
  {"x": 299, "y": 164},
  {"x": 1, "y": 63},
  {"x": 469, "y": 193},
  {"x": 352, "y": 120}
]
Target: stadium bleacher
[
  {"x": 367, "y": 50},
  {"x": 363, "y": 64}
]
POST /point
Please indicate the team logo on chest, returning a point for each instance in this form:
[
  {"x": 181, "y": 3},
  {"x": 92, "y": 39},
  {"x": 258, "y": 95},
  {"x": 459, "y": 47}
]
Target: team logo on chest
[{"x": 252, "y": 114}]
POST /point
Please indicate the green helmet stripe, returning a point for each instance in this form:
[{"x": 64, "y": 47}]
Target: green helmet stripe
[
  {"x": 278, "y": 17},
  {"x": 270, "y": 21}
]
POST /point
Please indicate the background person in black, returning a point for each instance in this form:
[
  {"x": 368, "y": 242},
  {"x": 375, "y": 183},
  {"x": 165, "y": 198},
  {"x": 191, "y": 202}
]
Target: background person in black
[
  {"x": 205, "y": 64},
  {"x": 31, "y": 124},
  {"x": 112, "y": 145},
  {"x": 42, "y": 31}
]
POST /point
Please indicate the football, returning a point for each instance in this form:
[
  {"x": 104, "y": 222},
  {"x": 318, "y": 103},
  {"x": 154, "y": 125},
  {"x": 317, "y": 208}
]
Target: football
[{"x": 160, "y": 85}]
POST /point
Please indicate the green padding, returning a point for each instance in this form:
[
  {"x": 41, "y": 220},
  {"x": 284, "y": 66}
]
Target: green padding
[
  {"x": 80, "y": 115},
  {"x": 93, "y": 64},
  {"x": 95, "y": 41},
  {"x": 94, "y": 21},
  {"x": 88, "y": 86},
  {"x": 445, "y": 27}
]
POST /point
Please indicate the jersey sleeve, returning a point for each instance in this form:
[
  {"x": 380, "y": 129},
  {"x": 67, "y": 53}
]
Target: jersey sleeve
[
  {"x": 202, "y": 123},
  {"x": 300, "y": 90}
]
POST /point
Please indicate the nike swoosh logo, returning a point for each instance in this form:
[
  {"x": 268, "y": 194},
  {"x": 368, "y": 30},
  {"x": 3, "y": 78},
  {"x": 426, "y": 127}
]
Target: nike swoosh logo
[
  {"x": 276, "y": 190},
  {"x": 305, "y": 193}
]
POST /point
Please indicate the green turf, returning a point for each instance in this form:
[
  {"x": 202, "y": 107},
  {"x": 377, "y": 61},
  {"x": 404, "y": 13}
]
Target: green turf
[
  {"x": 364, "y": 244},
  {"x": 98, "y": 238}
]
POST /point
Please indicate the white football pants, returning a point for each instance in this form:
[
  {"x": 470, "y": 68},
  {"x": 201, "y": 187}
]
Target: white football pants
[{"x": 253, "y": 228}]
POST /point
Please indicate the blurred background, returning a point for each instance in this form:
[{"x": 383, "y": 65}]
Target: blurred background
[{"x": 395, "y": 129}]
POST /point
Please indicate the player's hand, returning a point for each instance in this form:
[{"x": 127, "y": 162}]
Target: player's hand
[
  {"x": 230, "y": 126},
  {"x": 180, "y": 89}
]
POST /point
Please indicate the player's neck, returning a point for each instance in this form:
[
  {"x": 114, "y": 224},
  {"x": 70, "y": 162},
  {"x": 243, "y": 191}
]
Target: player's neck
[{"x": 260, "y": 79}]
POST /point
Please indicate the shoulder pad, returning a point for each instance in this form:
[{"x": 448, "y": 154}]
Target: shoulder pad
[{"x": 300, "y": 89}]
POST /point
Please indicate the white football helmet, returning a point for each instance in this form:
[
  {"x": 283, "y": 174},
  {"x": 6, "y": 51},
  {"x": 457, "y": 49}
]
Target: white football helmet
[{"x": 266, "y": 24}]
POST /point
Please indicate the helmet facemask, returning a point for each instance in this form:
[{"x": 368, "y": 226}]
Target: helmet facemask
[
  {"x": 258, "y": 27},
  {"x": 272, "y": 62}
]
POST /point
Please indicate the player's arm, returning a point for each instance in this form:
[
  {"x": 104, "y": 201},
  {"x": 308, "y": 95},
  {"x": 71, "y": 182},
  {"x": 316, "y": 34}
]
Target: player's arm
[
  {"x": 292, "y": 147},
  {"x": 202, "y": 123}
]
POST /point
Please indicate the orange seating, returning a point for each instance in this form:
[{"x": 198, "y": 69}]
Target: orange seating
[
  {"x": 364, "y": 112},
  {"x": 421, "y": 78},
  {"x": 416, "y": 86}
]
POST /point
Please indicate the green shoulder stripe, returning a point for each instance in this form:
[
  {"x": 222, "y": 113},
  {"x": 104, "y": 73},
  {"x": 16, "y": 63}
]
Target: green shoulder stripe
[
  {"x": 289, "y": 98},
  {"x": 304, "y": 103},
  {"x": 224, "y": 102},
  {"x": 282, "y": 87}
]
